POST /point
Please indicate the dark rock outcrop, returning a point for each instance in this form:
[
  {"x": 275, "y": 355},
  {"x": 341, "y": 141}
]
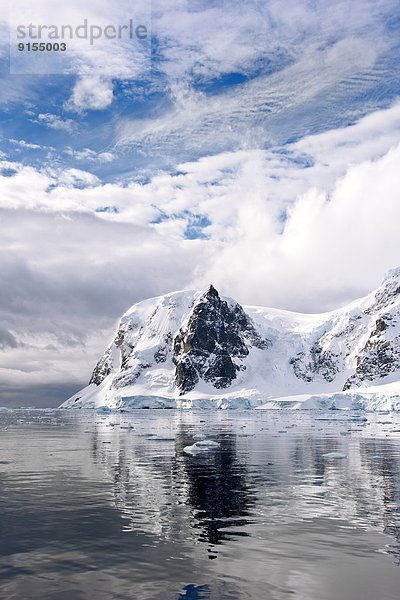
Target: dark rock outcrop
[
  {"x": 315, "y": 363},
  {"x": 210, "y": 346},
  {"x": 103, "y": 368},
  {"x": 178, "y": 342},
  {"x": 380, "y": 356}
]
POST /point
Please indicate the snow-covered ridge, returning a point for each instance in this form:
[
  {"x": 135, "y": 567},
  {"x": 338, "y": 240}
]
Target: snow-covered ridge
[{"x": 198, "y": 349}]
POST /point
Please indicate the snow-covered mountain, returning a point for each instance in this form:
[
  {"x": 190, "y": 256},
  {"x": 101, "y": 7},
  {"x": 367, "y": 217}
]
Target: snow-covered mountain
[{"x": 193, "y": 348}]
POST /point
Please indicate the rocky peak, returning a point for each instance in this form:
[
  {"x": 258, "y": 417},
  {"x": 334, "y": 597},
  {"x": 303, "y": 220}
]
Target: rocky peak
[
  {"x": 212, "y": 293},
  {"x": 209, "y": 345},
  {"x": 216, "y": 333}
]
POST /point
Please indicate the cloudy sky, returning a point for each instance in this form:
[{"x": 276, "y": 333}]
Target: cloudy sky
[{"x": 254, "y": 144}]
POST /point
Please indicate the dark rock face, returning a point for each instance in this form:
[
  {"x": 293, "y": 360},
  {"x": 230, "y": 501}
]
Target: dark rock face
[
  {"x": 380, "y": 356},
  {"x": 121, "y": 343},
  {"x": 315, "y": 362},
  {"x": 186, "y": 375},
  {"x": 161, "y": 355},
  {"x": 216, "y": 334},
  {"x": 103, "y": 368},
  {"x": 105, "y": 365}
]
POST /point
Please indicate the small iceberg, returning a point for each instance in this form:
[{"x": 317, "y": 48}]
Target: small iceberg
[{"x": 201, "y": 446}]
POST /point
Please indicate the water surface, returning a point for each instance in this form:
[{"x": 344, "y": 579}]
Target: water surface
[{"x": 111, "y": 506}]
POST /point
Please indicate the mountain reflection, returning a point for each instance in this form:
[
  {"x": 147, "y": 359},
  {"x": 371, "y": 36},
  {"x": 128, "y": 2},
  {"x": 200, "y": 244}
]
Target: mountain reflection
[
  {"x": 217, "y": 490},
  {"x": 195, "y": 592},
  {"x": 160, "y": 489},
  {"x": 111, "y": 506},
  {"x": 264, "y": 477}
]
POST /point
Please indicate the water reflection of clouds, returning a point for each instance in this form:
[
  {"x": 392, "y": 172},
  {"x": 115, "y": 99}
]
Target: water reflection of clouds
[
  {"x": 261, "y": 472},
  {"x": 82, "y": 494},
  {"x": 159, "y": 489}
]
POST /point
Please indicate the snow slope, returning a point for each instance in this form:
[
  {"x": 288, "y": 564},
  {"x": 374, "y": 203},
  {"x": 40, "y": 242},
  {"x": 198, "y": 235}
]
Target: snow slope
[{"x": 196, "y": 349}]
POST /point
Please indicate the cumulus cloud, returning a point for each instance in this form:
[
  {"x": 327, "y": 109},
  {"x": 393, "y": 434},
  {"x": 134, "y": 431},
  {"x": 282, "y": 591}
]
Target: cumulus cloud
[
  {"x": 91, "y": 93},
  {"x": 332, "y": 247},
  {"x": 271, "y": 209},
  {"x": 299, "y": 227}
]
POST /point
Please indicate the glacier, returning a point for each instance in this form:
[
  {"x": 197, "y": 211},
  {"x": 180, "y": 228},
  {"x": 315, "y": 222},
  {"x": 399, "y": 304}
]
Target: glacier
[{"x": 197, "y": 349}]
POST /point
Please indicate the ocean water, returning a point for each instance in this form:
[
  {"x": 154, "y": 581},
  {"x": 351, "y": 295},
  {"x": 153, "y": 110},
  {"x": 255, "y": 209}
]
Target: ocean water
[{"x": 288, "y": 505}]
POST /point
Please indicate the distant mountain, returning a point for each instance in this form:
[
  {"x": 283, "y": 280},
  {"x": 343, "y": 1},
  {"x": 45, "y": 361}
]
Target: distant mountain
[{"x": 199, "y": 349}]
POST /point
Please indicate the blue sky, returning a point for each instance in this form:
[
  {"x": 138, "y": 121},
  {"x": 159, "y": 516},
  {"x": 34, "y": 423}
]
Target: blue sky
[
  {"x": 250, "y": 144},
  {"x": 223, "y": 76}
]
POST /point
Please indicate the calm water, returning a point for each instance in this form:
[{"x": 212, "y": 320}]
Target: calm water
[{"x": 91, "y": 509}]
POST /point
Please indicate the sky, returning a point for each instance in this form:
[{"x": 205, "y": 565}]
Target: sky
[{"x": 251, "y": 144}]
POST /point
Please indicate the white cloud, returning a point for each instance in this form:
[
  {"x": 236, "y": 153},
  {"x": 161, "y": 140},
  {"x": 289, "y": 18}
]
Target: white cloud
[
  {"x": 94, "y": 62},
  {"x": 332, "y": 248},
  {"x": 302, "y": 50},
  {"x": 24, "y": 145},
  {"x": 64, "y": 258},
  {"x": 87, "y": 154},
  {"x": 78, "y": 178},
  {"x": 71, "y": 190},
  {"x": 55, "y": 122},
  {"x": 91, "y": 93},
  {"x": 253, "y": 251},
  {"x": 206, "y": 40},
  {"x": 260, "y": 112},
  {"x": 214, "y": 38}
]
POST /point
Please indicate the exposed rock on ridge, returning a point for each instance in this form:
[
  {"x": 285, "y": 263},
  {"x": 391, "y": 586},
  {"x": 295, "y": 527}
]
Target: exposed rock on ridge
[
  {"x": 198, "y": 345},
  {"x": 206, "y": 347}
]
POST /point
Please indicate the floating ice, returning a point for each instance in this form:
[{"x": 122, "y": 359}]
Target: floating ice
[
  {"x": 334, "y": 455},
  {"x": 201, "y": 446},
  {"x": 207, "y": 444}
]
